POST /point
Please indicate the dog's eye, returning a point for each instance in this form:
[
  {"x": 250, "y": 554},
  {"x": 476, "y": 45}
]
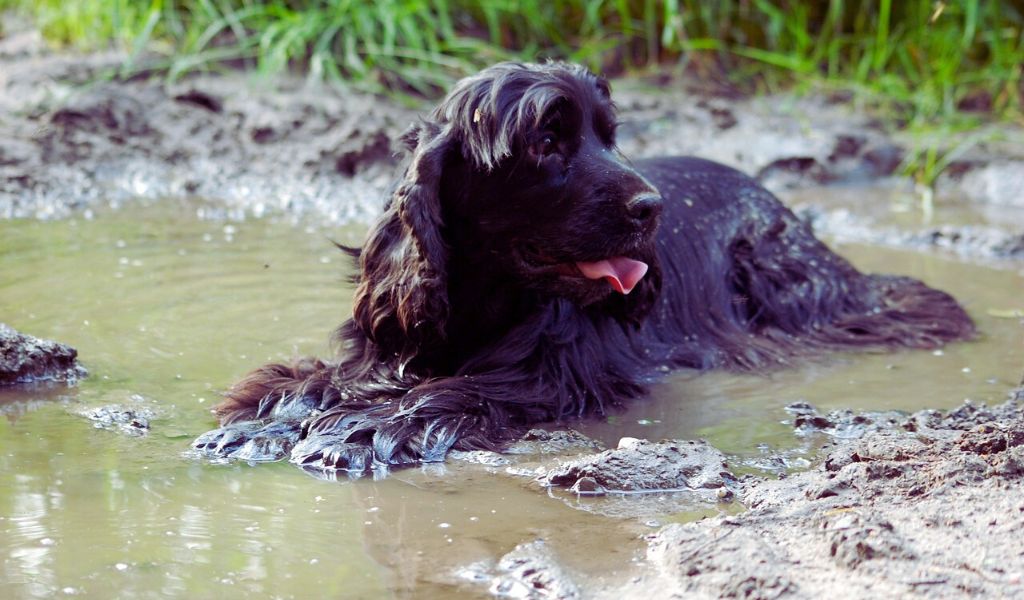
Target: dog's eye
[{"x": 548, "y": 144}]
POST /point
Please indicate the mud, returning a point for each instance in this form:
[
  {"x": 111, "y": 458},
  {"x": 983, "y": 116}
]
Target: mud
[
  {"x": 841, "y": 424},
  {"x": 131, "y": 417},
  {"x": 929, "y": 506},
  {"x": 563, "y": 441},
  {"x": 992, "y": 179},
  {"x": 531, "y": 570},
  {"x": 641, "y": 465},
  {"x": 971, "y": 241},
  {"x": 783, "y": 141},
  {"x": 124, "y": 419},
  {"x": 74, "y": 137},
  {"x": 535, "y": 444},
  {"x": 25, "y": 359}
]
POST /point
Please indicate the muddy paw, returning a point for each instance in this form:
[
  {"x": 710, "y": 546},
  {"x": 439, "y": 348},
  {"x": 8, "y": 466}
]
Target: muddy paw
[
  {"x": 251, "y": 440},
  {"x": 331, "y": 452}
]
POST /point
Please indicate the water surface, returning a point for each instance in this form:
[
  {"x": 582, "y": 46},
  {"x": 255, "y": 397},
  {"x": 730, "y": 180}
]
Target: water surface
[{"x": 166, "y": 309}]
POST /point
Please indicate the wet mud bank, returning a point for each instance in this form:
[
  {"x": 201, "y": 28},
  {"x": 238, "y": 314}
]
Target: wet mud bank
[
  {"x": 72, "y": 139},
  {"x": 991, "y": 234},
  {"x": 931, "y": 507},
  {"x": 928, "y": 504}
]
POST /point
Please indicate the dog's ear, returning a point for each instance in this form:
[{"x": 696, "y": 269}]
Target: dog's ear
[{"x": 402, "y": 298}]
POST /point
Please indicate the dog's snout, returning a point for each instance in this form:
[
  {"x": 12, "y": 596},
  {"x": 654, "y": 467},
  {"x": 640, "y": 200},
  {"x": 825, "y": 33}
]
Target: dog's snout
[{"x": 645, "y": 207}]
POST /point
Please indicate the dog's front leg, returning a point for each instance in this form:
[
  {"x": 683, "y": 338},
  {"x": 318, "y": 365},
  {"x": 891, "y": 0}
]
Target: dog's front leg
[{"x": 421, "y": 426}]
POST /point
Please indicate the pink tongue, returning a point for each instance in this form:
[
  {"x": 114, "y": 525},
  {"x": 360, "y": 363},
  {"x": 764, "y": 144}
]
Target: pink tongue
[{"x": 623, "y": 273}]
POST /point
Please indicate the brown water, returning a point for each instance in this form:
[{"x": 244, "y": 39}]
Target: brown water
[{"x": 172, "y": 309}]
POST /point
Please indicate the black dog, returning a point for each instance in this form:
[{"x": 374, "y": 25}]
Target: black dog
[{"x": 519, "y": 275}]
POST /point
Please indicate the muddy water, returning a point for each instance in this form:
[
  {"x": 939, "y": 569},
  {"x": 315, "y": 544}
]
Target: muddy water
[{"x": 166, "y": 309}]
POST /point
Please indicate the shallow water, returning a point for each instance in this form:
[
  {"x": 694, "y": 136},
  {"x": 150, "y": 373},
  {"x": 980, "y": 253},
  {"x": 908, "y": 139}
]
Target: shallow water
[{"x": 166, "y": 310}]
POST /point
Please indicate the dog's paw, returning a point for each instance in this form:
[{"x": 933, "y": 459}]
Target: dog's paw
[
  {"x": 251, "y": 440},
  {"x": 361, "y": 439},
  {"x": 222, "y": 442},
  {"x": 331, "y": 453}
]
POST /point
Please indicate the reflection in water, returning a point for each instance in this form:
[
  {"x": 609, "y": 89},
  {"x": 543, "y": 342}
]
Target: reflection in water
[
  {"x": 174, "y": 309},
  {"x": 31, "y": 558},
  {"x": 16, "y": 402},
  {"x": 427, "y": 524}
]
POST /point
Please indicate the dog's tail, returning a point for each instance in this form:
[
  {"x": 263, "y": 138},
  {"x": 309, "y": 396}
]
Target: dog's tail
[
  {"x": 904, "y": 313},
  {"x": 801, "y": 297}
]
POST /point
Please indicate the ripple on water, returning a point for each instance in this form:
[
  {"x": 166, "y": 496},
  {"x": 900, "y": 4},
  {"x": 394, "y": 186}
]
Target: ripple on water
[{"x": 174, "y": 308}]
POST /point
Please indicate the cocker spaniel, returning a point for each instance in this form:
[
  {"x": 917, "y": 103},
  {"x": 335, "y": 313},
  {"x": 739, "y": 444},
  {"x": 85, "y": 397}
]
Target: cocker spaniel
[{"x": 524, "y": 271}]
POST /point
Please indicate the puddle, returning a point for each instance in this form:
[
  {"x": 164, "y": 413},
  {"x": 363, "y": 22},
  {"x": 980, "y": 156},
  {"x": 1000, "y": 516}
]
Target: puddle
[
  {"x": 166, "y": 310},
  {"x": 895, "y": 203},
  {"x": 889, "y": 213}
]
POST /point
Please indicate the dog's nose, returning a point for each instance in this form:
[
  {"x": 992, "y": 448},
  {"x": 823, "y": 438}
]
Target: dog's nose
[{"x": 644, "y": 208}]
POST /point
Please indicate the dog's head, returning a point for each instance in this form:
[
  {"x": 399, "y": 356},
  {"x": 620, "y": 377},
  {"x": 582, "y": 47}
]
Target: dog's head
[{"x": 517, "y": 166}]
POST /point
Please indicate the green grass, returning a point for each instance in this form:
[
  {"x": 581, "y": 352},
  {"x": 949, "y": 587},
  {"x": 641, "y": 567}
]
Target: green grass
[{"x": 919, "y": 61}]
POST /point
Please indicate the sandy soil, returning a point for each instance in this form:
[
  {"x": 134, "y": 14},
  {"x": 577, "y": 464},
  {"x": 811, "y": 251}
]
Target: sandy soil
[
  {"x": 923, "y": 505},
  {"x": 933, "y": 508},
  {"x": 73, "y": 138}
]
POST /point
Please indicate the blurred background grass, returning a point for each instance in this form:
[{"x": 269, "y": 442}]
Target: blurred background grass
[{"x": 918, "y": 61}]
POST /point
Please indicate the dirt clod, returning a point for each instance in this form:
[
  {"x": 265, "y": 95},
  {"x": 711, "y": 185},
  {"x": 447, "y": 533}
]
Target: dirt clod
[
  {"x": 531, "y": 571},
  {"x": 642, "y": 465},
  {"x": 130, "y": 420},
  {"x": 561, "y": 441},
  {"x": 27, "y": 359}
]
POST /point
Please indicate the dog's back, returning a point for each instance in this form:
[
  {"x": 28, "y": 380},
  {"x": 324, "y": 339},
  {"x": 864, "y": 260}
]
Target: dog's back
[{"x": 747, "y": 285}]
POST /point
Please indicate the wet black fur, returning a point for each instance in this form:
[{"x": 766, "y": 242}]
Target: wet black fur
[{"x": 468, "y": 326}]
